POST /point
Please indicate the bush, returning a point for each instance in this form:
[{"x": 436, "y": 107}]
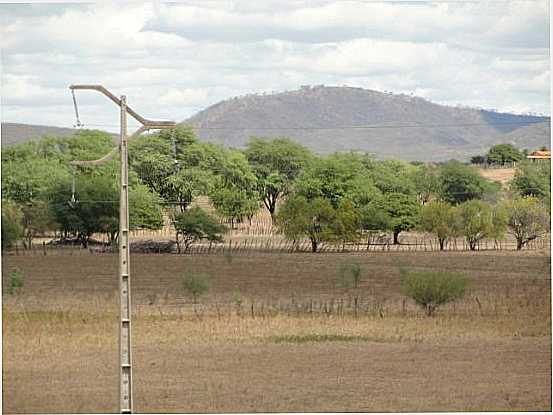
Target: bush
[
  {"x": 196, "y": 285},
  {"x": 349, "y": 275},
  {"x": 16, "y": 281},
  {"x": 195, "y": 224},
  {"x": 432, "y": 289}
]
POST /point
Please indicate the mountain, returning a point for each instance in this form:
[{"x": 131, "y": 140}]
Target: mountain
[
  {"x": 328, "y": 119},
  {"x": 15, "y": 133},
  {"x": 531, "y": 137}
]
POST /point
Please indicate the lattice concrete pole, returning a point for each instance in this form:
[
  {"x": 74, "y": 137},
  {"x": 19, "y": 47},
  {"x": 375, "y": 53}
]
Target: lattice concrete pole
[{"x": 125, "y": 357}]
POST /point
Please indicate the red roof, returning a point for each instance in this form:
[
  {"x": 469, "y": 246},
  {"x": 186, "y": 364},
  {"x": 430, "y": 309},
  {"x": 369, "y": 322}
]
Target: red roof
[{"x": 540, "y": 154}]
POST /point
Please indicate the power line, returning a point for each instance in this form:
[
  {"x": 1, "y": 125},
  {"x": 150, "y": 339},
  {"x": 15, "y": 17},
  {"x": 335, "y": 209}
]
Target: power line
[{"x": 358, "y": 126}]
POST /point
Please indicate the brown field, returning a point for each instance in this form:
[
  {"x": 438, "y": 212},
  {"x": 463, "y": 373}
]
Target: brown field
[
  {"x": 276, "y": 334},
  {"x": 504, "y": 175}
]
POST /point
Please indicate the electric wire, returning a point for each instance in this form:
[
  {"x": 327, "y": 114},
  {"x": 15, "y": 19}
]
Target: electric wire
[{"x": 353, "y": 126}]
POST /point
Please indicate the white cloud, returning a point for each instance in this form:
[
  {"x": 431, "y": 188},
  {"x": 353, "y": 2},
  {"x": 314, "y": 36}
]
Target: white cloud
[{"x": 172, "y": 60}]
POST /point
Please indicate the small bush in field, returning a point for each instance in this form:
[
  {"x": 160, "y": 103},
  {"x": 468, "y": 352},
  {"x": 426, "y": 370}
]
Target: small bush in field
[
  {"x": 349, "y": 275},
  {"x": 16, "y": 281},
  {"x": 196, "y": 285},
  {"x": 432, "y": 289}
]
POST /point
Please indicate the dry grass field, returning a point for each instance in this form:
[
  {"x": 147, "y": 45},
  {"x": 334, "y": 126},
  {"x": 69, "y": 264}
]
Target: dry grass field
[
  {"x": 504, "y": 176},
  {"x": 276, "y": 334}
]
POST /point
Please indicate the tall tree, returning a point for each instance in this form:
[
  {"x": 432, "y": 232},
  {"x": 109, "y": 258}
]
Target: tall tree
[
  {"x": 504, "y": 153},
  {"x": 276, "y": 164},
  {"x": 478, "y": 220},
  {"x": 96, "y": 209},
  {"x": 314, "y": 219},
  {"x": 403, "y": 211},
  {"x": 175, "y": 166},
  {"x": 233, "y": 193},
  {"x": 335, "y": 178},
  {"x": 533, "y": 179},
  {"x": 425, "y": 180},
  {"x": 527, "y": 219},
  {"x": 459, "y": 183},
  {"x": 441, "y": 219}
]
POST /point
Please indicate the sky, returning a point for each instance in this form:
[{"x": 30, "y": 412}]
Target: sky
[{"x": 172, "y": 60}]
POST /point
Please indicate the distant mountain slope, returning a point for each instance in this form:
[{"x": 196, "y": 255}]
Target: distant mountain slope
[
  {"x": 14, "y": 133},
  {"x": 327, "y": 119},
  {"x": 531, "y": 137}
]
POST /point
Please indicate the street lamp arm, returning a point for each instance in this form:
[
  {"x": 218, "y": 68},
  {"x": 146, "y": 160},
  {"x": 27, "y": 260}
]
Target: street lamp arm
[
  {"x": 109, "y": 155},
  {"x": 149, "y": 123}
]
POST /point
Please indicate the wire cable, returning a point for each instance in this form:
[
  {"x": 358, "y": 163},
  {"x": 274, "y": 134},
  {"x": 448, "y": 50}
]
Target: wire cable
[{"x": 349, "y": 127}]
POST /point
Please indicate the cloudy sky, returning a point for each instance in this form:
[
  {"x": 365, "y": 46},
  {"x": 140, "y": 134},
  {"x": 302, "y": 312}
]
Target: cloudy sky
[{"x": 172, "y": 60}]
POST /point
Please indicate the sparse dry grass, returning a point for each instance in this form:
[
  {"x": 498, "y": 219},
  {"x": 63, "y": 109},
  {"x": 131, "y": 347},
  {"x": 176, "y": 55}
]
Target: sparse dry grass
[
  {"x": 60, "y": 337},
  {"x": 504, "y": 176}
]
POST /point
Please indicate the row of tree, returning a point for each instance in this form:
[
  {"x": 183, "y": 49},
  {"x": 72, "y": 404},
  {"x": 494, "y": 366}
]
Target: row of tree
[
  {"x": 338, "y": 197},
  {"x": 502, "y": 154}
]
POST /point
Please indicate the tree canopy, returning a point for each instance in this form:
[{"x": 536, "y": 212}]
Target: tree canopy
[
  {"x": 276, "y": 164},
  {"x": 504, "y": 153}
]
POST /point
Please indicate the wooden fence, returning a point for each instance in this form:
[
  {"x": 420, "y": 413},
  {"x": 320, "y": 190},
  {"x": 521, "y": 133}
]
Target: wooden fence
[{"x": 246, "y": 245}]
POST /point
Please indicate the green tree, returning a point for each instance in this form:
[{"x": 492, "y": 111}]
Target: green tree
[
  {"x": 432, "y": 289},
  {"x": 276, "y": 164},
  {"x": 426, "y": 184},
  {"x": 440, "y": 219},
  {"x": 234, "y": 204},
  {"x": 391, "y": 176},
  {"x": 32, "y": 179},
  {"x": 196, "y": 224},
  {"x": 96, "y": 209},
  {"x": 478, "y": 220},
  {"x": 315, "y": 219},
  {"x": 337, "y": 177},
  {"x": 459, "y": 183},
  {"x": 347, "y": 223},
  {"x": 478, "y": 159},
  {"x": 527, "y": 219},
  {"x": 37, "y": 218},
  {"x": 504, "y": 153},
  {"x": 374, "y": 219},
  {"x": 145, "y": 210},
  {"x": 233, "y": 193},
  {"x": 175, "y": 166},
  {"x": 403, "y": 211},
  {"x": 533, "y": 179},
  {"x": 12, "y": 230}
]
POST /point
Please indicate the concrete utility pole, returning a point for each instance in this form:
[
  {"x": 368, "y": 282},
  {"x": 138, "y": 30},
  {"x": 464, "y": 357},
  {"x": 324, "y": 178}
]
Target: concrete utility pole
[{"x": 125, "y": 349}]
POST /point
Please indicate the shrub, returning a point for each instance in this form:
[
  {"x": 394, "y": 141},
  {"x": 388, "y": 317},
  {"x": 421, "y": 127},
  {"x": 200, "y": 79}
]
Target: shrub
[
  {"x": 432, "y": 289},
  {"x": 196, "y": 285},
  {"x": 16, "y": 281},
  {"x": 195, "y": 224},
  {"x": 349, "y": 275}
]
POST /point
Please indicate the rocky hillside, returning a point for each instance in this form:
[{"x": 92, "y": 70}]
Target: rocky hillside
[{"x": 328, "y": 119}]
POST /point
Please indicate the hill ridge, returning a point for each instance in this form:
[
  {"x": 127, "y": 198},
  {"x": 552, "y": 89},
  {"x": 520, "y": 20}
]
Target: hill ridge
[{"x": 452, "y": 131}]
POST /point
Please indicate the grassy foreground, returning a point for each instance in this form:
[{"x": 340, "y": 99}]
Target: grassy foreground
[{"x": 273, "y": 347}]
